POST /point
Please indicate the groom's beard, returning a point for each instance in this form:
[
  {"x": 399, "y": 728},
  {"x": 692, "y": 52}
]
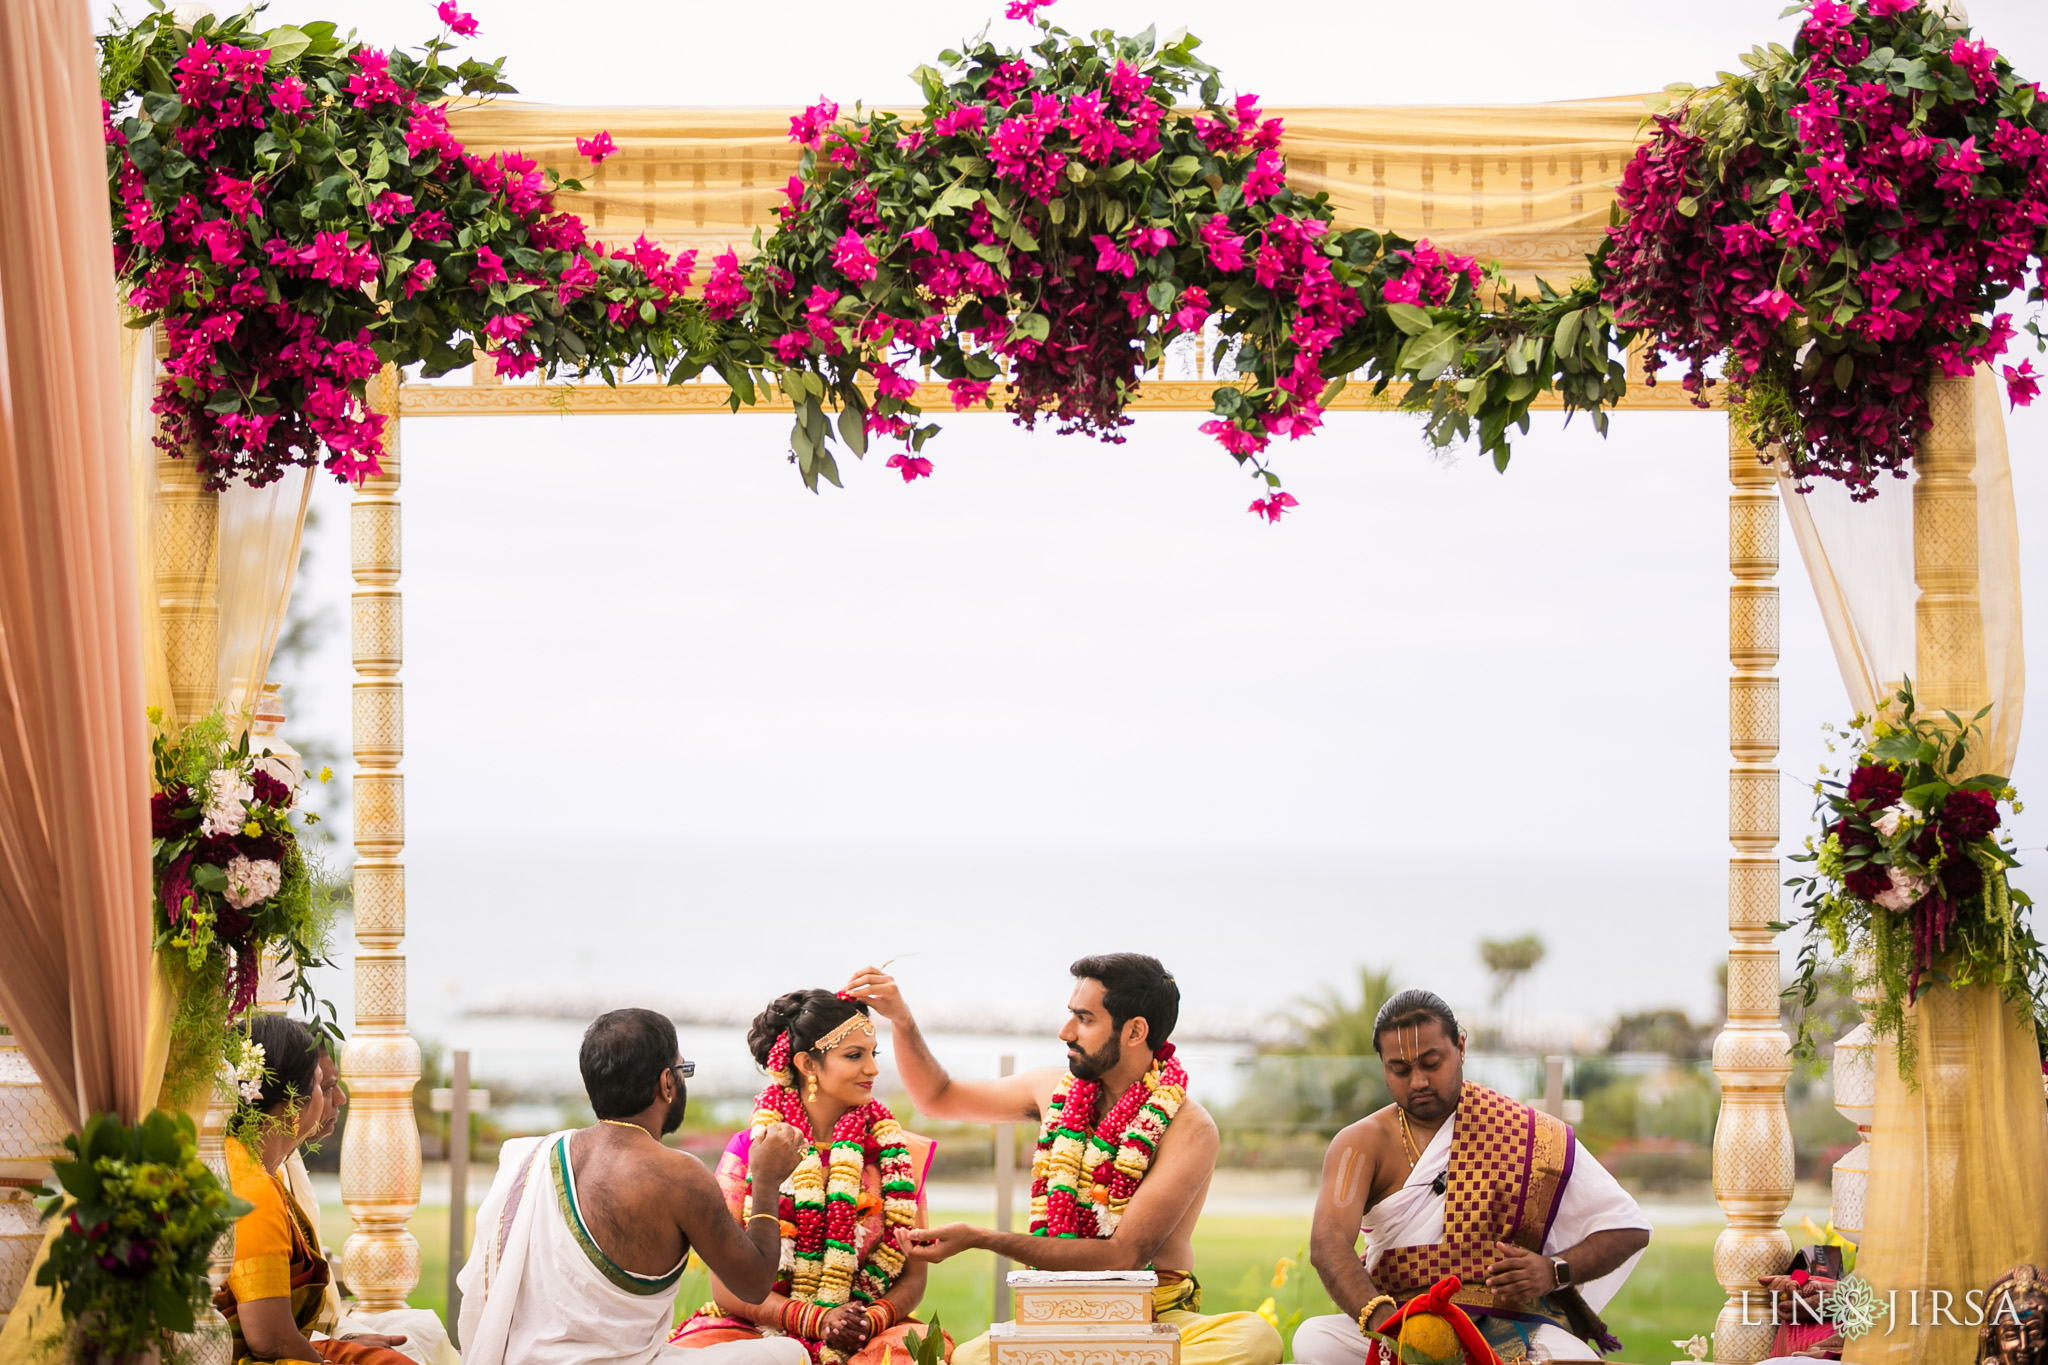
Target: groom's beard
[
  {"x": 1093, "y": 1066},
  {"x": 674, "y": 1118}
]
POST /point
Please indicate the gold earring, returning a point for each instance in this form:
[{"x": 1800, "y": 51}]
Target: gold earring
[{"x": 811, "y": 1094}]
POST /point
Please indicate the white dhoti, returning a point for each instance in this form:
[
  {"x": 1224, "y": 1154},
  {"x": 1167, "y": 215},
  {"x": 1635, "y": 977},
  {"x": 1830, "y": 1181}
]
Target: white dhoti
[
  {"x": 538, "y": 1290},
  {"x": 426, "y": 1339},
  {"x": 1592, "y": 1201}
]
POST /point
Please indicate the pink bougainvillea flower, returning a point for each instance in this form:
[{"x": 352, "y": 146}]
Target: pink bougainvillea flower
[
  {"x": 791, "y": 347},
  {"x": 390, "y": 206},
  {"x": 1273, "y": 508},
  {"x": 852, "y": 258},
  {"x": 1235, "y": 438},
  {"x": 490, "y": 269},
  {"x": 1268, "y": 177},
  {"x": 237, "y": 196},
  {"x": 597, "y": 148},
  {"x": 1979, "y": 61},
  {"x": 289, "y": 95},
  {"x": 460, "y": 24},
  {"x": 503, "y": 327},
  {"x": 419, "y": 279},
  {"x": 1775, "y": 304},
  {"x": 1829, "y": 14},
  {"x": 968, "y": 118},
  {"x": 1151, "y": 241},
  {"x": 890, "y": 383},
  {"x": 970, "y": 393},
  {"x": 923, "y": 238},
  {"x": 1110, "y": 260},
  {"x": 1226, "y": 248},
  {"x": 333, "y": 260},
  {"x": 1194, "y": 309},
  {"x": 1886, "y": 9},
  {"x": 726, "y": 292},
  {"x": 1027, "y": 10},
  {"x": 913, "y": 466},
  {"x": 808, "y": 128},
  {"x": 2022, "y": 384}
]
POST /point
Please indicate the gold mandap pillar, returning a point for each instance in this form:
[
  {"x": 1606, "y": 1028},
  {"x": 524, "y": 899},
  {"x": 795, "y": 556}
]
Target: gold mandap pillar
[
  {"x": 1752, "y": 1139},
  {"x": 187, "y": 571},
  {"x": 380, "y": 1151}
]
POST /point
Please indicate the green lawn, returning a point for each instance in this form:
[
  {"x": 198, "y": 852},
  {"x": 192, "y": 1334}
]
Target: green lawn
[{"x": 1670, "y": 1296}]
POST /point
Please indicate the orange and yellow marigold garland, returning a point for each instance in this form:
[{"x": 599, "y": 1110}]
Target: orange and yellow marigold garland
[{"x": 1071, "y": 1194}]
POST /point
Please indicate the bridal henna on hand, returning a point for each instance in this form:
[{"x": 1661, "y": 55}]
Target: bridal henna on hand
[{"x": 846, "y": 1327}]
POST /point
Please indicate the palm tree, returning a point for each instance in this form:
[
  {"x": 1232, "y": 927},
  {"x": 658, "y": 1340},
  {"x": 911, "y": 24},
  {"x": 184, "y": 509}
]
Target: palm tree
[
  {"x": 1332, "y": 1027},
  {"x": 1509, "y": 959}
]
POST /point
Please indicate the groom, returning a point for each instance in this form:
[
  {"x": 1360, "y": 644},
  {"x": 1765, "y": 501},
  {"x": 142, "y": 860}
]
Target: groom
[{"x": 1128, "y": 1205}]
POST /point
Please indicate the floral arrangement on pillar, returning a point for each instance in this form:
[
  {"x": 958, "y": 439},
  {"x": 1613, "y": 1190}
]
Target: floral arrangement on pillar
[
  {"x": 1840, "y": 222},
  {"x": 1063, "y": 213},
  {"x": 1912, "y": 867},
  {"x": 231, "y": 880},
  {"x": 290, "y": 204},
  {"x": 141, "y": 1214}
]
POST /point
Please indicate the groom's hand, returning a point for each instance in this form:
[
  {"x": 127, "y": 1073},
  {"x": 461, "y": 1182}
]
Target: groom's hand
[
  {"x": 773, "y": 1156},
  {"x": 879, "y": 992},
  {"x": 933, "y": 1245},
  {"x": 373, "y": 1339}
]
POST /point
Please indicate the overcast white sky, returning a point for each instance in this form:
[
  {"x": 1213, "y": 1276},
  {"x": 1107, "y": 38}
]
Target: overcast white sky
[{"x": 644, "y": 629}]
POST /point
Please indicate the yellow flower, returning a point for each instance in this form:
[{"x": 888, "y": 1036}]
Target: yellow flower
[
  {"x": 253, "y": 830},
  {"x": 326, "y": 773},
  {"x": 155, "y": 715},
  {"x": 1280, "y": 1269},
  {"x": 1270, "y": 1311}
]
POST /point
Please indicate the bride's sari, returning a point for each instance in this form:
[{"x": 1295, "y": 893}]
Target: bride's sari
[{"x": 710, "y": 1325}]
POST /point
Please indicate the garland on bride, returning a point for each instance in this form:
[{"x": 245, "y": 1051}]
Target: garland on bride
[
  {"x": 821, "y": 1203},
  {"x": 1071, "y": 1194}
]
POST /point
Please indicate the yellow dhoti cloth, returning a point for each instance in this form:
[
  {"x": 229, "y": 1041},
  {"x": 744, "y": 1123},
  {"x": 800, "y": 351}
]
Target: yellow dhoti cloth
[{"x": 1216, "y": 1339}]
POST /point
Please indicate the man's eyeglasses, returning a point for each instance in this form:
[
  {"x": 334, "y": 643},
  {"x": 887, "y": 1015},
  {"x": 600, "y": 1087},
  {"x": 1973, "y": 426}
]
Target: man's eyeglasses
[{"x": 686, "y": 1069}]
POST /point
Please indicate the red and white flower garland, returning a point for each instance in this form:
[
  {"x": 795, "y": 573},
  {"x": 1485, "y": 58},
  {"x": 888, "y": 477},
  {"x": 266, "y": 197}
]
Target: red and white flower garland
[
  {"x": 1071, "y": 1194},
  {"x": 820, "y": 1203}
]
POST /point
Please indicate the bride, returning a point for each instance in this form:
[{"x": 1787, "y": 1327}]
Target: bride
[{"x": 845, "y": 1289}]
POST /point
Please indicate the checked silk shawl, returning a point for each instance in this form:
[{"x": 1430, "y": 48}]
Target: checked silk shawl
[{"x": 1509, "y": 1165}]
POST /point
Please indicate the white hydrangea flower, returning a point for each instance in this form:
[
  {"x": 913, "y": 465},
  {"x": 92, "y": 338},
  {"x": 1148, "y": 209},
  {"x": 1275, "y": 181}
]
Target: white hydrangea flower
[
  {"x": 1907, "y": 889},
  {"x": 227, "y": 796},
  {"x": 252, "y": 881}
]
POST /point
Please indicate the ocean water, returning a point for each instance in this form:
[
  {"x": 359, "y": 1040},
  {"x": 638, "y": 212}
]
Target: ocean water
[{"x": 512, "y": 947}]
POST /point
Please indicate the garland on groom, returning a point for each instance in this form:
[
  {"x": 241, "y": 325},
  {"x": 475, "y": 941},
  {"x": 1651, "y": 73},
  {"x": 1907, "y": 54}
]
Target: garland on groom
[{"x": 1071, "y": 1195}]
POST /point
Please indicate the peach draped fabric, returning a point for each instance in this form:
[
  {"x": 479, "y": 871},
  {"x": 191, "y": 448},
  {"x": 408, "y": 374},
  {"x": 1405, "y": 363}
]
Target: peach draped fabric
[{"x": 74, "y": 795}]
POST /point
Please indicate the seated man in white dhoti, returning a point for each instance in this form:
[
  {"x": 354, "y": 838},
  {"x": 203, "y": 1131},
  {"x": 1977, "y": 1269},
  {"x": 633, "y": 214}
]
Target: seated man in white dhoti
[
  {"x": 581, "y": 1242},
  {"x": 1456, "y": 1179},
  {"x": 413, "y": 1332}
]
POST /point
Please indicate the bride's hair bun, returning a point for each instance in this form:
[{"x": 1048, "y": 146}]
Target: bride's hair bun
[{"x": 806, "y": 1016}]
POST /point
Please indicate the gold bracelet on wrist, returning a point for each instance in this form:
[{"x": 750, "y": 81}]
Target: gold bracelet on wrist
[
  {"x": 1367, "y": 1311},
  {"x": 776, "y": 1216}
]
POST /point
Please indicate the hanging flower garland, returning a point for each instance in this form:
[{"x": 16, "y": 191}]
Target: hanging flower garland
[
  {"x": 231, "y": 880},
  {"x": 1911, "y": 870},
  {"x": 291, "y": 206},
  {"x": 1840, "y": 222},
  {"x": 1071, "y": 1195},
  {"x": 822, "y": 1264},
  {"x": 1056, "y": 214}
]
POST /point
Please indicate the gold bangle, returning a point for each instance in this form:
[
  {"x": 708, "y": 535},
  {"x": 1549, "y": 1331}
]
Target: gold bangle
[
  {"x": 1366, "y": 1311},
  {"x": 776, "y": 1216}
]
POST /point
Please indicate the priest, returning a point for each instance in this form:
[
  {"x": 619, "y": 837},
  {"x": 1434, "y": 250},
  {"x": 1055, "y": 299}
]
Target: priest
[{"x": 1455, "y": 1179}]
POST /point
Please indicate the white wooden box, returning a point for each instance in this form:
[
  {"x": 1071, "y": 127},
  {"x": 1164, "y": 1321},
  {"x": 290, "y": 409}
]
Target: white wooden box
[{"x": 1149, "y": 1343}]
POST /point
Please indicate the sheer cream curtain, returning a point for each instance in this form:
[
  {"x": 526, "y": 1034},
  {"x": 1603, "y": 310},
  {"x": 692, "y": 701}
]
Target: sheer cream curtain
[
  {"x": 1959, "y": 1165},
  {"x": 260, "y": 532}
]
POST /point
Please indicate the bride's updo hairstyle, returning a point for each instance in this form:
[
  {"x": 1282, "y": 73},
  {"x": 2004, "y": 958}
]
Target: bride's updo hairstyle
[{"x": 806, "y": 1016}]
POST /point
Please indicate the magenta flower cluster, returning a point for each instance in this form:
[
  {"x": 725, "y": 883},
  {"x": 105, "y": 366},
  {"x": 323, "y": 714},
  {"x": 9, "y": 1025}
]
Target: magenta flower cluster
[{"x": 1858, "y": 238}]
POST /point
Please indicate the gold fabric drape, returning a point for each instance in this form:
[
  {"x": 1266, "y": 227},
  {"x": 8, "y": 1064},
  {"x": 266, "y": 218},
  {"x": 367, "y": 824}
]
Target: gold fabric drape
[
  {"x": 74, "y": 798},
  {"x": 1860, "y": 559},
  {"x": 260, "y": 530},
  {"x": 1527, "y": 185},
  {"x": 1958, "y": 1188}
]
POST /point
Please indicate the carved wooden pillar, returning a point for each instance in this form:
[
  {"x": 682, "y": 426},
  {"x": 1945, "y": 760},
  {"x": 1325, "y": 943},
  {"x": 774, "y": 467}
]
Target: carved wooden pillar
[
  {"x": 187, "y": 569},
  {"x": 1752, "y": 1139},
  {"x": 380, "y": 1152},
  {"x": 1948, "y": 620}
]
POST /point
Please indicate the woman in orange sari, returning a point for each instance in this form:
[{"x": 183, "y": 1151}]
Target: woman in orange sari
[
  {"x": 846, "y": 1289},
  {"x": 276, "y": 1292}
]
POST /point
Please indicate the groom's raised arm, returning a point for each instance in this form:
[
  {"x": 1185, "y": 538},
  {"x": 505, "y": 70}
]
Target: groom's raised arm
[{"x": 935, "y": 1093}]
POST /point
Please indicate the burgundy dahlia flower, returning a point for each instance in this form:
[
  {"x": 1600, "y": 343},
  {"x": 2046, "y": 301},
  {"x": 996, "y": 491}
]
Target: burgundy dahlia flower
[{"x": 1876, "y": 786}]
